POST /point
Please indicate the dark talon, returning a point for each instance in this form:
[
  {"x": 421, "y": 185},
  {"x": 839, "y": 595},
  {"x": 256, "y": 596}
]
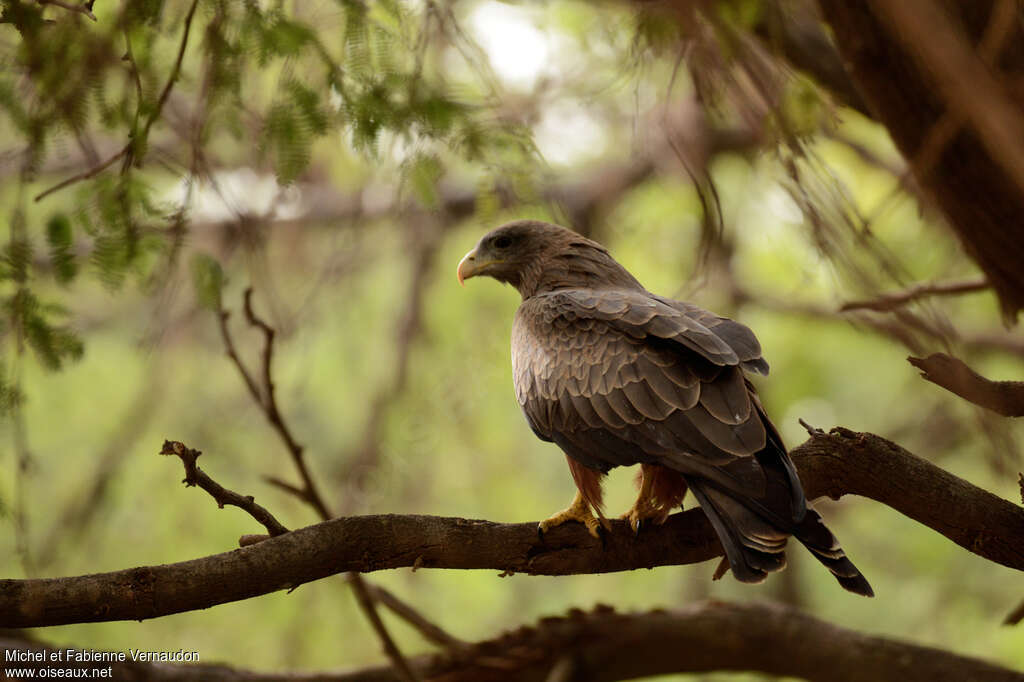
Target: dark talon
[
  {"x": 540, "y": 532},
  {"x": 603, "y": 534}
]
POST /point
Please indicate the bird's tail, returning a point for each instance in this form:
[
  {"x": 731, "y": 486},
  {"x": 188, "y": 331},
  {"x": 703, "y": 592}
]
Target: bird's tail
[
  {"x": 755, "y": 545},
  {"x": 824, "y": 545}
]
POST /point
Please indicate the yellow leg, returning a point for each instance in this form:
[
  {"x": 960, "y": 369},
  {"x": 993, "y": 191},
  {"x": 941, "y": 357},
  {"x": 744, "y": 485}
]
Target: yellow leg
[
  {"x": 580, "y": 511},
  {"x": 645, "y": 507}
]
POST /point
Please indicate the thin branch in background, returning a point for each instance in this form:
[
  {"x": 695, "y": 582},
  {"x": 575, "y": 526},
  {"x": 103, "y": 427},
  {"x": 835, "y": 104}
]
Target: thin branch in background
[
  {"x": 194, "y": 476},
  {"x": 1015, "y": 616},
  {"x": 175, "y": 71},
  {"x": 952, "y": 374},
  {"x": 895, "y": 300},
  {"x": 86, "y": 174},
  {"x": 430, "y": 631},
  {"x": 410, "y": 326},
  {"x": 85, "y": 8},
  {"x": 399, "y": 664},
  {"x": 129, "y": 56},
  {"x": 80, "y": 512},
  {"x": 266, "y": 398},
  {"x": 902, "y": 330},
  {"x": 127, "y": 152}
]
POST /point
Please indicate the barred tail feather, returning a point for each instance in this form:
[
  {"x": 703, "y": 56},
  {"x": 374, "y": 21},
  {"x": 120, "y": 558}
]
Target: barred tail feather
[
  {"x": 816, "y": 537},
  {"x": 756, "y": 546}
]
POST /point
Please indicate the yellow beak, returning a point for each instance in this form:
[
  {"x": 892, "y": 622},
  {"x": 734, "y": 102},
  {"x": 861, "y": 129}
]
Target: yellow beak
[
  {"x": 471, "y": 265},
  {"x": 467, "y": 267}
]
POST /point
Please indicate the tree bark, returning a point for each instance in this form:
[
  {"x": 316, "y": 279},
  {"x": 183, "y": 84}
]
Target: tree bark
[
  {"x": 603, "y": 646},
  {"x": 914, "y": 92},
  {"x": 829, "y": 464}
]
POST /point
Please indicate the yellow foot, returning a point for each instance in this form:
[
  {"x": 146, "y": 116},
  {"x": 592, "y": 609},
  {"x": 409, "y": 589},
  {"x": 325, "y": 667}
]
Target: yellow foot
[
  {"x": 579, "y": 510},
  {"x": 643, "y": 510}
]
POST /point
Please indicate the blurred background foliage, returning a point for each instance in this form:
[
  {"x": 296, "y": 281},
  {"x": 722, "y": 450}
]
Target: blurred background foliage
[{"x": 339, "y": 158}]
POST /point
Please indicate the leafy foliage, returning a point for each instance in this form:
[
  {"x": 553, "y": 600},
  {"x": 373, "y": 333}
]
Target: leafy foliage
[{"x": 247, "y": 72}]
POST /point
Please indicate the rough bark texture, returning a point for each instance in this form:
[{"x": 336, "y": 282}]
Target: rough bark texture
[
  {"x": 830, "y": 464},
  {"x": 978, "y": 194},
  {"x": 602, "y": 646}
]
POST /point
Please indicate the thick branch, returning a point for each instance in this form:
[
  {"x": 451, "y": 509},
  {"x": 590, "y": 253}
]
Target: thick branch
[
  {"x": 1004, "y": 397},
  {"x": 830, "y": 464},
  {"x": 603, "y": 646},
  {"x": 912, "y": 76}
]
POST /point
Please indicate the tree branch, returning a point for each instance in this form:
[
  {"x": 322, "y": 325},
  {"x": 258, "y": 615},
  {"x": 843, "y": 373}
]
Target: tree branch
[
  {"x": 127, "y": 152},
  {"x": 194, "y": 476},
  {"x": 913, "y": 62},
  {"x": 309, "y": 493},
  {"x": 831, "y": 464},
  {"x": 952, "y": 374},
  {"x": 604, "y": 646},
  {"x": 266, "y": 397},
  {"x": 895, "y": 300}
]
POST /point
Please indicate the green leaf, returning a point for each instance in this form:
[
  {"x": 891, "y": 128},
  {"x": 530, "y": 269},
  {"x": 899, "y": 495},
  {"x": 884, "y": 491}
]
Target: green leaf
[
  {"x": 62, "y": 257},
  {"x": 51, "y": 344},
  {"x": 17, "y": 256},
  {"x": 208, "y": 280},
  {"x": 10, "y": 397},
  {"x": 423, "y": 172},
  {"x": 288, "y": 138}
]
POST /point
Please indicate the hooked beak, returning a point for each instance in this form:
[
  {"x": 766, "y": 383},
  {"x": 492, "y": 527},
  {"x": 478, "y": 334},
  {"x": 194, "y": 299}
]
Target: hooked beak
[
  {"x": 466, "y": 267},
  {"x": 471, "y": 266}
]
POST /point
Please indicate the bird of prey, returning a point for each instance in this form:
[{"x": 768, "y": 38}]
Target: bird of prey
[{"x": 615, "y": 376}]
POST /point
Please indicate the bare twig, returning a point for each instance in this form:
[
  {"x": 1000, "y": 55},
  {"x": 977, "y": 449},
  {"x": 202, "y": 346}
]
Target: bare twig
[
  {"x": 265, "y": 396},
  {"x": 194, "y": 476},
  {"x": 308, "y": 492},
  {"x": 86, "y": 174},
  {"x": 175, "y": 71},
  {"x": 1003, "y": 397},
  {"x": 399, "y": 664},
  {"x": 898, "y": 299}
]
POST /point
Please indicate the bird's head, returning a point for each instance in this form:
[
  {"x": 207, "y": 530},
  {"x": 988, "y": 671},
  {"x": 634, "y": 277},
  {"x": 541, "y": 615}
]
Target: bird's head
[{"x": 535, "y": 257}]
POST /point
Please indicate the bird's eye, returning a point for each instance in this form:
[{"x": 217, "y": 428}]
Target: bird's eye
[{"x": 502, "y": 242}]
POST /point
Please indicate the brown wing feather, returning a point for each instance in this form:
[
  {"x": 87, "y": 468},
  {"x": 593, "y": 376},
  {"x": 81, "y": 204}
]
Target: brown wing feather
[{"x": 644, "y": 379}]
